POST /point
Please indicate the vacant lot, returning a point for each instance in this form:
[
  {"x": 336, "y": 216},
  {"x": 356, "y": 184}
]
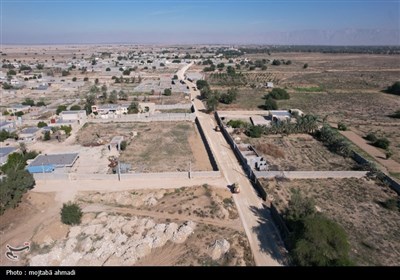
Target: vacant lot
[
  {"x": 157, "y": 227},
  {"x": 298, "y": 152},
  {"x": 356, "y": 204},
  {"x": 152, "y": 147}
]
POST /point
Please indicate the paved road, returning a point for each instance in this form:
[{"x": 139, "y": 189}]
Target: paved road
[{"x": 263, "y": 236}]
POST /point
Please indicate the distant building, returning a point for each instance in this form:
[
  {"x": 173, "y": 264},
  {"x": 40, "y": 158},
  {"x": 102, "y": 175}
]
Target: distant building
[
  {"x": 7, "y": 126},
  {"x": 67, "y": 116},
  {"x": 18, "y": 108},
  {"x": 110, "y": 109},
  {"x": 29, "y": 134},
  {"x": 47, "y": 163},
  {"x": 4, "y": 153},
  {"x": 269, "y": 85}
]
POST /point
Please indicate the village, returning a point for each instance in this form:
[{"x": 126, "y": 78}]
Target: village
[{"x": 183, "y": 150}]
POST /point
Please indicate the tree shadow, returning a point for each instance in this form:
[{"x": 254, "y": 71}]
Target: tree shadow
[{"x": 269, "y": 236}]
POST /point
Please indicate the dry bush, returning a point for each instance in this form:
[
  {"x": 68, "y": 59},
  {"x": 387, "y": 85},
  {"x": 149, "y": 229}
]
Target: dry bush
[{"x": 270, "y": 149}]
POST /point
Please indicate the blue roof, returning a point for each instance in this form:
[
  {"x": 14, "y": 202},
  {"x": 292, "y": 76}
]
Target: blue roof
[
  {"x": 6, "y": 150},
  {"x": 40, "y": 169}
]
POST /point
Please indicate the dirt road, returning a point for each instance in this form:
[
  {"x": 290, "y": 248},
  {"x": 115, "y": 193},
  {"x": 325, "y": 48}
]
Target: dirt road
[
  {"x": 265, "y": 242},
  {"x": 389, "y": 164}
]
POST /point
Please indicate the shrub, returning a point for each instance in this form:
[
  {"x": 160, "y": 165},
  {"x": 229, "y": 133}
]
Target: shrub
[
  {"x": 391, "y": 204},
  {"x": 276, "y": 62},
  {"x": 236, "y": 123},
  {"x": 279, "y": 94},
  {"x": 394, "y": 89},
  {"x": 167, "y": 92},
  {"x": 71, "y": 214},
  {"x": 321, "y": 242},
  {"x": 305, "y": 66},
  {"x": 47, "y": 136},
  {"x": 41, "y": 124},
  {"x": 74, "y": 79},
  {"x": 254, "y": 131},
  {"x": 270, "y": 104},
  {"x": 342, "y": 126},
  {"x": 371, "y": 137},
  {"x": 382, "y": 143},
  {"x": 123, "y": 145},
  {"x": 75, "y": 108}
]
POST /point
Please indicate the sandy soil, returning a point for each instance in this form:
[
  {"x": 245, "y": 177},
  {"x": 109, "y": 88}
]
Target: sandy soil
[{"x": 356, "y": 204}]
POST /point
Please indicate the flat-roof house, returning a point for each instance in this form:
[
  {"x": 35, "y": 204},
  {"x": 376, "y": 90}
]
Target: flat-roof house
[
  {"x": 4, "y": 152},
  {"x": 18, "y": 108},
  {"x": 29, "y": 134},
  {"x": 73, "y": 115},
  {"x": 7, "y": 126},
  {"x": 116, "y": 109},
  {"x": 270, "y": 85}
]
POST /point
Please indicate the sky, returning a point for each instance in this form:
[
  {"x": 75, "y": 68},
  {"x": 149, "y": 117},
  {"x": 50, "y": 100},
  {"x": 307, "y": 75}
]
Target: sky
[{"x": 312, "y": 22}]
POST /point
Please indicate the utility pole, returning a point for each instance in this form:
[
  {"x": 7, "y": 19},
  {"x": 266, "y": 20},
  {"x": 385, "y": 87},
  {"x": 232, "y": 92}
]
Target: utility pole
[{"x": 190, "y": 169}]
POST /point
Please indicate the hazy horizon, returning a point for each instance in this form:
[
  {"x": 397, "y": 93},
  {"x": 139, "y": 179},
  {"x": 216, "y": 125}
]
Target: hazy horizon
[{"x": 323, "y": 22}]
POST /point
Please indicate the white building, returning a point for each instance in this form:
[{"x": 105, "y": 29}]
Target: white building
[
  {"x": 116, "y": 109},
  {"x": 73, "y": 115}
]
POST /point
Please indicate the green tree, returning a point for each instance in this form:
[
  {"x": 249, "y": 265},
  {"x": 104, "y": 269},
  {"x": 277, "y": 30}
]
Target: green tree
[
  {"x": 395, "y": 115},
  {"x": 229, "y": 97},
  {"x": 212, "y": 101},
  {"x": 39, "y": 66},
  {"x": 74, "y": 79},
  {"x": 71, "y": 214},
  {"x": 41, "y": 124},
  {"x": 108, "y": 69},
  {"x": 64, "y": 73},
  {"x": 126, "y": 72},
  {"x": 270, "y": 104},
  {"x": 342, "y": 126},
  {"x": 113, "y": 98},
  {"x": 279, "y": 94},
  {"x": 85, "y": 79},
  {"x": 11, "y": 72},
  {"x": 90, "y": 101},
  {"x": 299, "y": 207},
  {"x": 61, "y": 108},
  {"x": 47, "y": 136},
  {"x": 305, "y": 66},
  {"x": 13, "y": 186},
  {"x": 133, "y": 108},
  {"x": 124, "y": 144},
  {"x": 321, "y": 242},
  {"x": 167, "y": 92},
  {"x": 276, "y": 62},
  {"x": 28, "y": 101},
  {"x": 67, "y": 129},
  {"x": 75, "y": 108},
  {"x": 201, "y": 84},
  {"x": 40, "y": 104}
]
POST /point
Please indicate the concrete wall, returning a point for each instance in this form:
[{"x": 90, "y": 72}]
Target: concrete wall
[
  {"x": 125, "y": 176},
  {"x": 148, "y": 118},
  {"x": 207, "y": 146},
  {"x": 385, "y": 178}
]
